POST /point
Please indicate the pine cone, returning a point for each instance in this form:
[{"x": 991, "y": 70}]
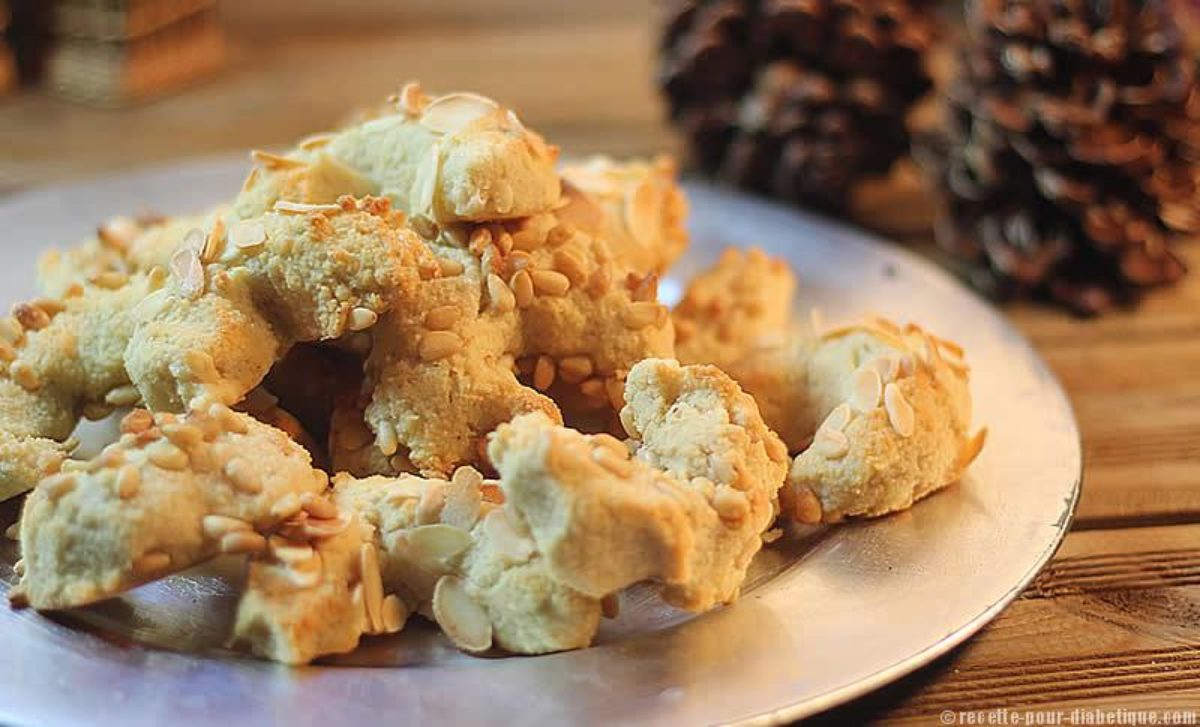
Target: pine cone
[
  {"x": 1072, "y": 156},
  {"x": 796, "y": 98}
]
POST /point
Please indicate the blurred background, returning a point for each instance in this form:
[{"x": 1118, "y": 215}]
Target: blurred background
[{"x": 193, "y": 77}]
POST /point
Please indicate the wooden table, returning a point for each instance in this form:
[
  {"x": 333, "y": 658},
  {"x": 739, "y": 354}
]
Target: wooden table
[{"x": 1113, "y": 622}]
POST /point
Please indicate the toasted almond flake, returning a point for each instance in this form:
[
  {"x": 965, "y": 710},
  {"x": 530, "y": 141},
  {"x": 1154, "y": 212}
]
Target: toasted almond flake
[
  {"x": 641, "y": 314},
  {"x": 127, "y": 395},
  {"x": 460, "y": 616},
  {"x": 543, "y": 373},
  {"x": 831, "y": 443},
  {"x": 411, "y": 100},
  {"x": 372, "y": 583},
  {"x": 522, "y": 288},
  {"x": 438, "y": 542},
  {"x": 906, "y": 365},
  {"x": 437, "y": 345},
  {"x": 433, "y": 500},
  {"x": 393, "y": 614},
  {"x": 899, "y": 411},
  {"x": 275, "y": 161},
  {"x": 972, "y": 448},
  {"x": 242, "y": 542},
  {"x": 838, "y": 418},
  {"x": 642, "y": 205},
  {"x": 167, "y": 456},
  {"x": 574, "y": 369},
  {"x": 22, "y": 373},
  {"x": 218, "y": 526},
  {"x": 193, "y": 239},
  {"x": 247, "y": 234},
  {"x": 188, "y": 272},
  {"x": 866, "y": 387},
  {"x": 442, "y": 317},
  {"x": 284, "y": 205},
  {"x": 453, "y": 112},
  {"x": 427, "y": 183},
  {"x": 118, "y": 232},
  {"x": 316, "y": 141},
  {"x": 504, "y": 538},
  {"x": 361, "y": 319},
  {"x": 550, "y": 282},
  {"x": 151, "y": 563},
  {"x": 887, "y": 365}
]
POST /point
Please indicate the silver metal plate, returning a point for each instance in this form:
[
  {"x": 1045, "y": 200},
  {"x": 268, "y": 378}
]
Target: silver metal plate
[{"x": 826, "y": 617}]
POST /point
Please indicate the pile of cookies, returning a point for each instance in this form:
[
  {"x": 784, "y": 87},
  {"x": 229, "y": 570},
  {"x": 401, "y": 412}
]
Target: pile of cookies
[{"x": 416, "y": 366}]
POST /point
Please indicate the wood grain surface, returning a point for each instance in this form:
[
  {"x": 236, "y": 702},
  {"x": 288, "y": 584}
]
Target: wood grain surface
[{"x": 1113, "y": 622}]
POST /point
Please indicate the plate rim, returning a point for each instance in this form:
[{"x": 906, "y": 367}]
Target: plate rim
[{"x": 859, "y": 236}]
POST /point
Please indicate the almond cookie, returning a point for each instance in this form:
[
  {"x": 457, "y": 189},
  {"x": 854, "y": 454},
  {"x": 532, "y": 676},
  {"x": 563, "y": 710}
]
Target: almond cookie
[
  {"x": 60, "y": 358},
  {"x": 641, "y": 209},
  {"x": 458, "y": 157},
  {"x": 880, "y": 415},
  {"x": 173, "y": 492}
]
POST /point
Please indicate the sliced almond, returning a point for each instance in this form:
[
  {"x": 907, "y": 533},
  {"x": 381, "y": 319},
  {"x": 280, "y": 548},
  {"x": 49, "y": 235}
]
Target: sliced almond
[
  {"x": 838, "y": 418},
  {"x": 437, "y": 543},
  {"x": 831, "y": 443},
  {"x": 460, "y": 616},
  {"x": 284, "y": 205},
  {"x": 188, "y": 272},
  {"x": 393, "y": 614},
  {"x": 642, "y": 204},
  {"x": 453, "y": 112},
  {"x": 899, "y": 411},
  {"x": 372, "y": 583},
  {"x": 247, "y": 234},
  {"x": 866, "y": 387},
  {"x": 507, "y": 541}
]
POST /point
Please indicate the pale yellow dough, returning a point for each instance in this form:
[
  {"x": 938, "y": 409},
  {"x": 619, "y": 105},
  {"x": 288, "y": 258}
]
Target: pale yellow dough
[{"x": 879, "y": 414}]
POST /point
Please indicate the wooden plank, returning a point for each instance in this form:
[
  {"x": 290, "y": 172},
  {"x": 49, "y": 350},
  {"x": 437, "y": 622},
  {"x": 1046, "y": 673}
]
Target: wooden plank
[
  {"x": 1114, "y": 620},
  {"x": 280, "y": 86}
]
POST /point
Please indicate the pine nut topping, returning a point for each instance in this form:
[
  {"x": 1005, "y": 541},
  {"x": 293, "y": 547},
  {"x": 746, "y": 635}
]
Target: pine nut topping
[
  {"x": 550, "y": 282},
  {"x": 522, "y": 288},
  {"x": 362, "y": 319},
  {"x": 441, "y": 317},
  {"x": 543, "y": 373},
  {"x": 437, "y": 345}
]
